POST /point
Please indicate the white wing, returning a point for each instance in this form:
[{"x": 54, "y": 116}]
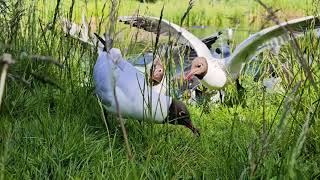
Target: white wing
[
  {"x": 259, "y": 41},
  {"x": 182, "y": 35}
]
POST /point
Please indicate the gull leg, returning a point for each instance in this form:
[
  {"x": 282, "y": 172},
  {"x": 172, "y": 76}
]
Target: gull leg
[
  {"x": 241, "y": 92},
  {"x": 198, "y": 94},
  {"x": 221, "y": 93},
  {"x": 240, "y": 88}
]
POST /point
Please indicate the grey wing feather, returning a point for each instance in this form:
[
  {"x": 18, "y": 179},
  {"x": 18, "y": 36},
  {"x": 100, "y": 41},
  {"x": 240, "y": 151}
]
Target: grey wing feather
[
  {"x": 274, "y": 44},
  {"x": 247, "y": 49},
  {"x": 182, "y": 35}
]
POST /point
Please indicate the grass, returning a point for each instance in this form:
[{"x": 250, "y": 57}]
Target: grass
[{"x": 49, "y": 132}]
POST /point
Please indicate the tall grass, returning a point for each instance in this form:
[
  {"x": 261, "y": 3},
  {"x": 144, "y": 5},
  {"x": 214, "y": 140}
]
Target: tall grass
[{"x": 56, "y": 131}]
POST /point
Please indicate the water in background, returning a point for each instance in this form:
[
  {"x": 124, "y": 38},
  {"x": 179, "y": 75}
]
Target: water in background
[{"x": 238, "y": 35}]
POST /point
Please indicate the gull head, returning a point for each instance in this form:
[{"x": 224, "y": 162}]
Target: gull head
[
  {"x": 199, "y": 68},
  {"x": 179, "y": 115},
  {"x": 158, "y": 72}
]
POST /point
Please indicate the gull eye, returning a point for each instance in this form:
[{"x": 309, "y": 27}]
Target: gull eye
[
  {"x": 218, "y": 50},
  {"x": 182, "y": 113}
]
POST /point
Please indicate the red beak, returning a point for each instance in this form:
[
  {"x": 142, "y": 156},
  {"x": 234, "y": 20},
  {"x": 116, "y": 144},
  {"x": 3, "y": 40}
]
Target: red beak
[
  {"x": 193, "y": 129},
  {"x": 188, "y": 75}
]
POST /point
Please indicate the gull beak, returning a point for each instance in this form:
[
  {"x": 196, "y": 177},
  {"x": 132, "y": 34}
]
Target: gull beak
[
  {"x": 157, "y": 77},
  {"x": 195, "y": 130},
  {"x": 157, "y": 74},
  {"x": 189, "y": 74}
]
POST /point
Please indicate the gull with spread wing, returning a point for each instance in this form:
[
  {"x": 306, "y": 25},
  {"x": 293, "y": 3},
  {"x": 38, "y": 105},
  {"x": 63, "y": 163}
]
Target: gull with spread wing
[{"x": 216, "y": 73}]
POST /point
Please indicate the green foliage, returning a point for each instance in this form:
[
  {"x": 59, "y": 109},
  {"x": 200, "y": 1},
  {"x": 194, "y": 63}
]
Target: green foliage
[{"x": 52, "y": 133}]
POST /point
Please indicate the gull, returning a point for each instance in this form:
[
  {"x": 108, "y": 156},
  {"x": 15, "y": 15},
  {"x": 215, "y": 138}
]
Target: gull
[
  {"x": 116, "y": 78},
  {"x": 144, "y": 62},
  {"x": 216, "y": 73}
]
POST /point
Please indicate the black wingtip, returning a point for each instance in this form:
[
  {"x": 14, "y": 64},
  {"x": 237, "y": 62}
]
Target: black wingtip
[{"x": 102, "y": 41}]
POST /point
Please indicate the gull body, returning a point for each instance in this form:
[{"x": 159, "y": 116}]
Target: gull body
[{"x": 131, "y": 89}]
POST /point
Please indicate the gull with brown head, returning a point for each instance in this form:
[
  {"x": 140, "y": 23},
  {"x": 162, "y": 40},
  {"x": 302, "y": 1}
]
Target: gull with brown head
[{"x": 216, "y": 73}]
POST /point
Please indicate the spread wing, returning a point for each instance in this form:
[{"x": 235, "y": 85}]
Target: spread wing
[
  {"x": 183, "y": 36},
  {"x": 265, "y": 39}
]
